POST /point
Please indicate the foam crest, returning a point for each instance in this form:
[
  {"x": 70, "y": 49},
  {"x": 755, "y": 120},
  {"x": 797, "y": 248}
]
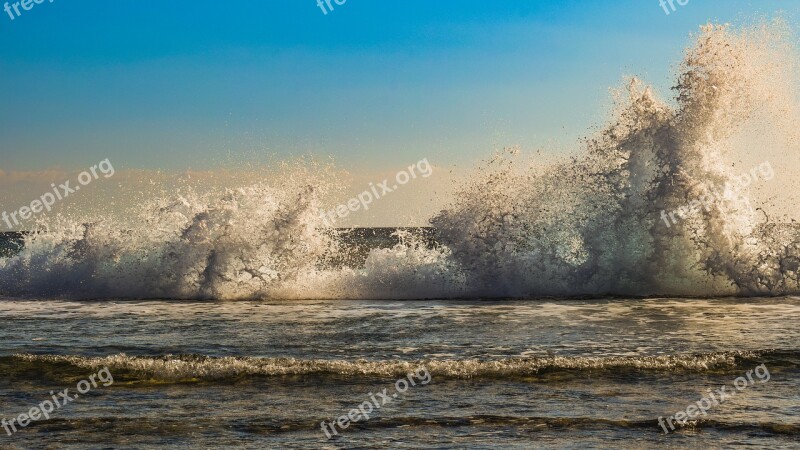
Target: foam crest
[{"x": 189, "y": 367}]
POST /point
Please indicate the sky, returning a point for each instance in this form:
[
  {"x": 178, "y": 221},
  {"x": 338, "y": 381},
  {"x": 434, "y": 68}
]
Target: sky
[{"x": 376, "y": 85}]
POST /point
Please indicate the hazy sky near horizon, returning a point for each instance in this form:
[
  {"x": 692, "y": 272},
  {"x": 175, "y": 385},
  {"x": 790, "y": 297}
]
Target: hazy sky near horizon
[{"x": 375, "y": 84}]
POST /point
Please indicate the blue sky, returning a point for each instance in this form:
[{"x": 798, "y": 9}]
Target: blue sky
[{"x": 375, "y": 84}]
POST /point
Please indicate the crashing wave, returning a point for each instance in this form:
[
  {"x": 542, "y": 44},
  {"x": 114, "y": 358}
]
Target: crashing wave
[{"x": 588, "y": 226}]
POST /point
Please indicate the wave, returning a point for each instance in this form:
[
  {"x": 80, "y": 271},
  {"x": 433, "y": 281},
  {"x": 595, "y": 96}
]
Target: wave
[
  {"x": 589, "y": 226},
  {"x": 191, "y": 368}
]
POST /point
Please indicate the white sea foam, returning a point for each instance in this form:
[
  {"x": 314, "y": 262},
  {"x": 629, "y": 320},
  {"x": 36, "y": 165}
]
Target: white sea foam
[{"x": 178, "y": 367}]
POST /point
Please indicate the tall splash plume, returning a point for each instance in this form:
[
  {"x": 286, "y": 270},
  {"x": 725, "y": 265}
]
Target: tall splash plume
[{"x": 592, "y": 225}]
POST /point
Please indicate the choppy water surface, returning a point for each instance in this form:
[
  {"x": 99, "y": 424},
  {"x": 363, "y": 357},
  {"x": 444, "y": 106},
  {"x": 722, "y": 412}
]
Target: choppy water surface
[{"x": 512, "y": 374}]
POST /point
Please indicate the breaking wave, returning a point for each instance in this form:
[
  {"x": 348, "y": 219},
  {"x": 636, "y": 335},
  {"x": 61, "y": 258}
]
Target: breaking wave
[
  {"x": 591, "y": 225},
  {"x": 177, "y": 368}
]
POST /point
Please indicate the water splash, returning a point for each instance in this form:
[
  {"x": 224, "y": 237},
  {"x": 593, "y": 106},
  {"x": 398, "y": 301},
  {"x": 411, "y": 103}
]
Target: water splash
[{"x": 590, "y": 225}]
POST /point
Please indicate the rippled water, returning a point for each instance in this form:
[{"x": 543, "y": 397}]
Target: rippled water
[{"x": 511, "y": 374}]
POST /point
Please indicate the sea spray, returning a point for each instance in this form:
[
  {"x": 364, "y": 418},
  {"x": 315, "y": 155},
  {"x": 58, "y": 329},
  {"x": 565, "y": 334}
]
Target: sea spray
[{"x": 588, "y": 225}]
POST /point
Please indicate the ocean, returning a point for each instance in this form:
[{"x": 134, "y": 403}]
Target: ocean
[
  {"x": 509, "y": 373},
  {"x": 621, "y": 298}
]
